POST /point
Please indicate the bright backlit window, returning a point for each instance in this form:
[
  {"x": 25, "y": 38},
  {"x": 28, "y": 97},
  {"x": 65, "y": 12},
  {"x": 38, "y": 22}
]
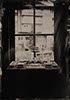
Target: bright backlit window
[{"x": 34, "y": 32}]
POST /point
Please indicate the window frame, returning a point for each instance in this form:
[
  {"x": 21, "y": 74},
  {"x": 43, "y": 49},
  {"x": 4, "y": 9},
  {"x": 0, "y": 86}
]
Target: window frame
[{"x": 34, "y": 24}]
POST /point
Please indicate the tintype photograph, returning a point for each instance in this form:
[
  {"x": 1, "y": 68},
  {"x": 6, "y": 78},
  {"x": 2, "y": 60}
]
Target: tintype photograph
[{"x": 34, "y": 50}]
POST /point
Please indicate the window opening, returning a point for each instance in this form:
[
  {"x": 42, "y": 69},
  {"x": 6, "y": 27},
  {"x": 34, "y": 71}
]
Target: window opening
[{"x": 34, "y": 28}]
